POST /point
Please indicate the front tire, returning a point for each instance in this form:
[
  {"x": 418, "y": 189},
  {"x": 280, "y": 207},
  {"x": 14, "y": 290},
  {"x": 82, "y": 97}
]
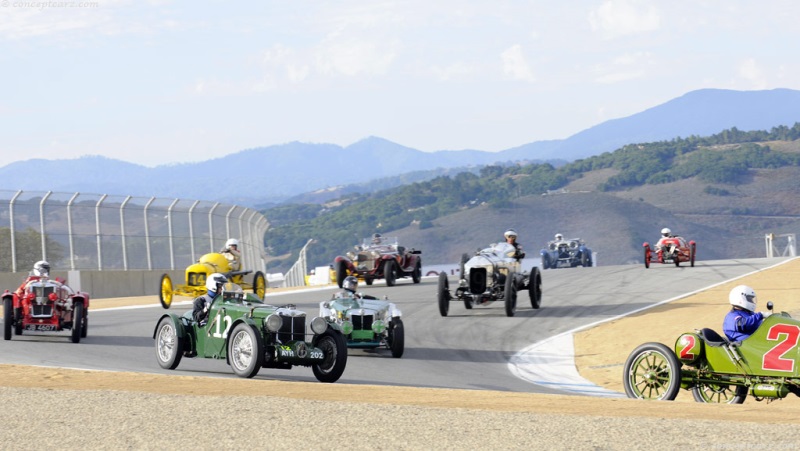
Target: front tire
[
  {"x": 259, "y": 285},
  {"x": 510, "y": 294},
  {"x": 416, "y": 275},
  {"x": 341, "y": 272},
  {"x": 388, "y": 273},
  {"x": 166, "y": 292},
  {"x": 652, "y": 371},
  {"x": 535, "y": 288},
  {"x": 245, "y": 350},
  {"x": 169, "y": 346},
  {"x": 584, "y": 260},
  {"x": 397, "y": 338},
  {"x": 719, "y": 393},
  {"x": 18, "y": 321},
  {"x": 85, "y": 324},
  {"x": 443, "y": 294},
  {"x": 334, "y": 347},
  {"x": 77, "y": 322},
  {"x": 646, "y": 258},
  {"x": 8, "y": 317}
]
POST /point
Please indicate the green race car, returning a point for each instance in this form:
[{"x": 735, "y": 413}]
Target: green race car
[
  {"x": 717, "y": 370},
  {"x": 251, "y": 335},
  {"x": 366, "y": 321}
]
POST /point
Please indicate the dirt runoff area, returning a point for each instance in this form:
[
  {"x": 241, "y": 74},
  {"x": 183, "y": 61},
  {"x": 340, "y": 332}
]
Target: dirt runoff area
[{"x": 77, "y": 409}]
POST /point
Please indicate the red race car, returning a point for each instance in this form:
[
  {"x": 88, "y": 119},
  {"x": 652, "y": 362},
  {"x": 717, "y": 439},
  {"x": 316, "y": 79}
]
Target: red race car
[
  {"x": 379, "y": 257},
  {"x": 671, "y": 249},
  {"x": 45, "y": 305}
]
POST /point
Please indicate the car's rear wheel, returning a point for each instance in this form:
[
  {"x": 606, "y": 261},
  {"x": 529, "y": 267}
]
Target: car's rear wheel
[
  {"x": 397, "y": 338},
  {"x": 535, "y": 288},
  {"x": 692, "y": 251},
  {"x": 416, "y": 275},
  {"x": 341, "y": 272},
  {"x": 646, "y": 257},
  {"x": 719, "y": 393},
  {"x": 166, "y": 292},
  {"x": 545, "y": 261},
  {"x": 652, "y": 371},
  {"x": 510, "y": 294},
  {"x": 169, "y": 346},
  {"x": 8, "y": 317},
  {"x": 77, "y": 322},
  {"x": 259, "y": 284},
  {"x": 388, "y": 273},
  {"x": 334, "y": 348},
  {"x": 584, "y": 259},
  {"x": 245, "y": 350},
  {"x": 443, "y": 294}
]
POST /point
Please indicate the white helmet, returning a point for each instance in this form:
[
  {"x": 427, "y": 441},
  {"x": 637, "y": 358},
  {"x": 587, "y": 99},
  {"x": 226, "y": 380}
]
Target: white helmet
[
  {"x": 214, "y": 281},
  {"x": 231, "y": 242},
  {"x": 41, "y": 268},
  {"x": 510, "y": 232},
  {"x": 559, "y": 237},
  {"x": 744, "y": 297},
  {"x": 350, "y": 284},
  {"x": 666, "y": 232}
]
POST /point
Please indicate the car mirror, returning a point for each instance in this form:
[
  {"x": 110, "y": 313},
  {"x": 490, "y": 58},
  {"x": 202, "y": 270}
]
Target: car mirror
[{"x": 769, "y": 306}]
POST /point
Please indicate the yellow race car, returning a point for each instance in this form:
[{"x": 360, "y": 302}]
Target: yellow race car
[{"x": 196, "y": 279}]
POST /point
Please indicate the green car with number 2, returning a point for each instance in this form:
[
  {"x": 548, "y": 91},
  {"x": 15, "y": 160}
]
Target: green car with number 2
[
  {"x": 766, "y": 365},
  {"x": 251, "y": 335}
]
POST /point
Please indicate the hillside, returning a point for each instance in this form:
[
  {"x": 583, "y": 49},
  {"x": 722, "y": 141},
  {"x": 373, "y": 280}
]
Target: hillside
[{"x": 273, "y": 174}]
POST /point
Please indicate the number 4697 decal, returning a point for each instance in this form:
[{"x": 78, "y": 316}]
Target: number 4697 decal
[
  {"x": 224, "y": 334},
  {"x": 774, "y": 359}
]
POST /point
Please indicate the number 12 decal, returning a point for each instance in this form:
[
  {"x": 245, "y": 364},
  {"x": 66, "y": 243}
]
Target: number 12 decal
[
  {"x": 774, "y": 358},
  {"x": 224, "y": 334}
]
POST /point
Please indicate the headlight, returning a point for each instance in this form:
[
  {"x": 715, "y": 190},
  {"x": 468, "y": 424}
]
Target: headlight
[
  {"x": 347, "y": 327},
  {"x": 378, "y": 326},
  {"x": 319, "y": 325},
  {"x": 273, "y": 322}
]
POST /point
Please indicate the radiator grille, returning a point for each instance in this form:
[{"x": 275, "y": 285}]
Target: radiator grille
[
  {"x": 361, "y": 322},
  {"x": 42, "y": 311},
  {"x": 293, "y": 329}
]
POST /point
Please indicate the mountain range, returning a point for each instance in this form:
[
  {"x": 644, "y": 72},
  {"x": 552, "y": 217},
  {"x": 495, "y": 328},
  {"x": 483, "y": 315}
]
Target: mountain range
[{"x": 276, "y": 173}]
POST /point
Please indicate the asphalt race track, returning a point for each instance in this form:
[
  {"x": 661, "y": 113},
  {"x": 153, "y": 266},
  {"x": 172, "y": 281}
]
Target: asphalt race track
[{"x": 466, "y": 350}]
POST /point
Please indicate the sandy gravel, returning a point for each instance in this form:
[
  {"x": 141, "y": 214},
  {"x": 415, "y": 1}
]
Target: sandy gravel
[{"x": 74, "y": 409}]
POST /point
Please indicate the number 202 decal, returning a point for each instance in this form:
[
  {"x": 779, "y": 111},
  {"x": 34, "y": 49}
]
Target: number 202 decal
[
  {"x": 689, "y": 342},
  {"x": 224, "y": 334},
  {"x": 774, "y": 358}
]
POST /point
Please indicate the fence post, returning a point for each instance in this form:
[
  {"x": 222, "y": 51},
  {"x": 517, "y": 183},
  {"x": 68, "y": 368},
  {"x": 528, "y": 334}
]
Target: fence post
[
  {"x": 69, "y": 231},
  {"x": 11, "y": 230},
  {"x": 97, "y": 228},
  {"x": 169, "y": 233},
  {"x": 41, "y": 224},
  {"x": 122, "y": 232},
  {"x": 147, "y": 235}
]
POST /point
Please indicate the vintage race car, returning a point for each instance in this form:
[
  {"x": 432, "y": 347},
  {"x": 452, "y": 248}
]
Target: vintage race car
[
  {"x": 47, "y": 305},
  {"x": 251, "y": 335},
  {"x": 379, "y": 260},
  {"x": 196, "y": 274},
  {"x": 492, "y": 274},
  {"x": 674, "y": 249},
  {"x": 567, "y": 253},
  {"x": 366, "y": 321},
  {"x": 716, "y": 370}
]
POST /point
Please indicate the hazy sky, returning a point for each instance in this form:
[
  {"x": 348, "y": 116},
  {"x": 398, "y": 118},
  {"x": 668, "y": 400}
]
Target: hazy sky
[{"x": 162, "y": 82}]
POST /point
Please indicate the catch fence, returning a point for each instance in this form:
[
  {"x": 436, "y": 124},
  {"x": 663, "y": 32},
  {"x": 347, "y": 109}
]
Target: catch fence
[{"x": 80, "y": 231}]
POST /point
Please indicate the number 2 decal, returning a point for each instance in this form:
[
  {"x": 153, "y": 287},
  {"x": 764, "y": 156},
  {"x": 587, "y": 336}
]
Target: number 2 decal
[
  {"x": 774, "y": 358},
  {"x": 689, "y": 342},
  {"x": 224, "y": 334}
]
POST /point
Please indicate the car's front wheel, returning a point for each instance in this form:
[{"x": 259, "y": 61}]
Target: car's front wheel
[
  {"x": 166, "y": 292},
  {"x": 8, "y": 315},
  {"x": 169, "y": 346},
  {"x": 341, "y": 272},
  {"x": 510, "y": 294},
  {"x": 535, "y": 288},
  {"x": 416, "y": 275},
  {"x": 443, "y": 294},
  {"x": 245, "y": 350},
  {"x": 397, "y": 338},
  {"x": 388, "y": 273},
  {"x": 77, "y": 322},
  {"x": 334, "y": 348}
]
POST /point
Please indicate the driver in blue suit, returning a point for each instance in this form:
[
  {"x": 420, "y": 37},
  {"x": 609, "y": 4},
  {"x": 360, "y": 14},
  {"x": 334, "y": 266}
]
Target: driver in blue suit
[{"x": 742, "y": 321}]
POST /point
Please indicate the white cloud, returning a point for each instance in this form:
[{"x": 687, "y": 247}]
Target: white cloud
[
  {"x": 354, "y": 56},
  {"x": 628, "y": 66},
  {"x": 751, "y": 71},
  {"x": 458, "y": 70},
  {"x": 515, "y": 65},
  {"x": 616, "y": 18}
]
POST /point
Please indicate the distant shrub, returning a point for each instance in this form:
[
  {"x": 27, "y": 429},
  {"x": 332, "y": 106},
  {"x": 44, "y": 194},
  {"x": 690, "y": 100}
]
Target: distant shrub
[
  {"x": 425, "y": 224},
  {"x": 714, "y": 191}
]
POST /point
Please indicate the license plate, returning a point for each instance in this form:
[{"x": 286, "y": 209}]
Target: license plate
[{"x": 41, "y": 327}]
